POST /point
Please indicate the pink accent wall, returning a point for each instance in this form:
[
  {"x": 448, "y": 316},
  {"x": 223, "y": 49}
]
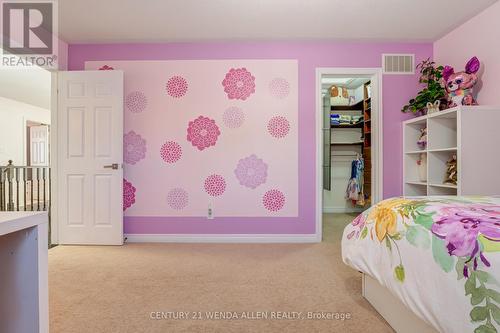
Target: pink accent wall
[
  {"x": 397, "y": 89},
  {"x": 476, "y": 37}
]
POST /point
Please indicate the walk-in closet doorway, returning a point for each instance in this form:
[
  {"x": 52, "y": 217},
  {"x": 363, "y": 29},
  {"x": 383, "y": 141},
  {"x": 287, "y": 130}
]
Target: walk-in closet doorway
[{"x": 349, "y": 142}]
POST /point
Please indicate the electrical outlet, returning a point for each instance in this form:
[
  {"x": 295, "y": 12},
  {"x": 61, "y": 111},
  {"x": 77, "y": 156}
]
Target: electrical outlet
[{"x": 210, "y": 213}]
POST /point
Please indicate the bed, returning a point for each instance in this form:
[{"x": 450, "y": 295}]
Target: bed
[{"x": 437, "y": 256}]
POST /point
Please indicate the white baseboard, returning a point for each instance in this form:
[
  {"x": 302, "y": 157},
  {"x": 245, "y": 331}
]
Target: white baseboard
[
  {"x": 229, "y": 238},
  {"x": 342, "y": 210}
]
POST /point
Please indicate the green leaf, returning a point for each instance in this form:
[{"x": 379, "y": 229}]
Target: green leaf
[
  {"x": 495, "y": 312},
  {"x": 418, "y": 236},
  {"x": 479, "y": 313},
  {"x": 485, "y": 329},
  {"x": 494, "y": 295},
  {"x": 478, "y": 295},
  {"x": 470, "y": 285},
  {"x": 364, "y": 232},
  {"x": 399, "y": 273},
  {"x": 485, "y": 277},
  {"x": 397, "y": 236},
  {"x": 388, "y": 243},
  {"x": 425, "y": 220},
  {"x": 459, "y": 267},
  {"x": 441, "y": 256}
]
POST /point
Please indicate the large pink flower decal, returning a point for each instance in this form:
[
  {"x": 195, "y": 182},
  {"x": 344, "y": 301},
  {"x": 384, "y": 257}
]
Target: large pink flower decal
[
  {"x": 273, "y": 200},
  {"x": 279, "y": 88},
  {"x": 278, "y": 127},
  {"x": 203, "y": 132},
  {"x": 136, "y": 102},
  {"x": 171, "y": 152},
  {"x": 215, "y": 185},
  {"x": 177, "y": 86},
  {"x": 239, "y": 83},
  {"x": 177, "y": 198},
  {"x": 134, "y": 148},
  {"x": 251, "y": 171},
  {"x": 233, "y": 117},
  {"x": 128, "y": 194}
]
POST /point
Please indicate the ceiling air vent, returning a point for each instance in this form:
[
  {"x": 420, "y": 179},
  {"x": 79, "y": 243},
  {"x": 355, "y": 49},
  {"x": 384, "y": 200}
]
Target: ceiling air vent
[{"x": 398, "y": 63}]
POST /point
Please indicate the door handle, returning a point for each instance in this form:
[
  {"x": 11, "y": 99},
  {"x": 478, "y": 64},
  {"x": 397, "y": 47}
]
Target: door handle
[{"x": 113, "y": 166}]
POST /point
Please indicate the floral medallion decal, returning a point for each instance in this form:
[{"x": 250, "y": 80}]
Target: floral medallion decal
[
  {"x": 279, "y": 88},
  {"x": 177, "y": 86},
  {"x": 177, "y": 198},
  {"x": 134, "y": 148},
  {"x": 128, "y": 194},
  {"x": 239, "y": 83},
  {"x": 203, "y": 132},
  {"x": 215, "y": 185},
  {"x": 278, "y": 127},
  {"x": 136, "y": 102},
  {"x": 251, "y": 171},
  {"x": 233, "y": 117},
  {"x": 171, "y": 152},
  {"x": 106, "y": 68},
  {"x": 273, "y": 200}
]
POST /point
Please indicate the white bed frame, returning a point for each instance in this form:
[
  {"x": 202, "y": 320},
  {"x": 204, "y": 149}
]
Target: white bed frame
[{"x": 401, "y": 319}]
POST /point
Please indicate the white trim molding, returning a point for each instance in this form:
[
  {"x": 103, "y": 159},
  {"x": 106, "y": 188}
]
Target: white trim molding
[
  {"x": 375, "y": 76},
  {"x": 220, "y": 238}
]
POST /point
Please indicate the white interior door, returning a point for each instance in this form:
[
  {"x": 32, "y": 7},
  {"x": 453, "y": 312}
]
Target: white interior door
[
  {"x": 90, "y": 156},
  {"x": 39, "y": 145}
]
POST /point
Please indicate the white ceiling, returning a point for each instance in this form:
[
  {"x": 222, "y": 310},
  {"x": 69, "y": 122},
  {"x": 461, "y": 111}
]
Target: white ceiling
[{"x": 98, "y": 21}]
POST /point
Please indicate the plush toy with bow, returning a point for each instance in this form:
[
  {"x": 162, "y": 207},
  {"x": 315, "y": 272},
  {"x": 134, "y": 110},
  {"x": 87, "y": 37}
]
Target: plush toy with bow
[{"x": 459, "y": 86}]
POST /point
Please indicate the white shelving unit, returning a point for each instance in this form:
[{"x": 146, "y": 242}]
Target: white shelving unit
[{"x": 470, "y": 132}]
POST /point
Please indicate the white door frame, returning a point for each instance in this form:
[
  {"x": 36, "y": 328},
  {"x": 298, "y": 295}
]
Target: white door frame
[
  {"x": 375, "y": 76},
  {"x": 54, "y": 226}
]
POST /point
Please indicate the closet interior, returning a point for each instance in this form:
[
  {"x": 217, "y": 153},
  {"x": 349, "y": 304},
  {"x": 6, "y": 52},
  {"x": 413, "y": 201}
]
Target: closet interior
[{"x": 347, "y": 144}]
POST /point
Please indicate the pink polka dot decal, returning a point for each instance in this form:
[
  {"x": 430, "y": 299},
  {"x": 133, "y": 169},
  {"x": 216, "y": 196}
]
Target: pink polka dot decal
[
  {"x": 177, "y": 198},
  {"x": 136, "y": 102},
  {"x": 279, "y": 88},
  {"x": 128, "y": 194},
  {"x": 215, "y": 185},
  {"x": 273, "y": 200},
  {"x": 233, "y": 117},
  {"x": 177, "y": 86},
  {"x": 278, "y": 127},
  {"x": 203, "y": 132},
  {"x": 239, "y": 83},
  {"x": 170, "y": 152}
]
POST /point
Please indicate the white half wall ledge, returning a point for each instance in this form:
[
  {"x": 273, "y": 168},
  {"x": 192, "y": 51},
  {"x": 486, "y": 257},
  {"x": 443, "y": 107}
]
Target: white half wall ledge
[{"x": 218, "y": 238}]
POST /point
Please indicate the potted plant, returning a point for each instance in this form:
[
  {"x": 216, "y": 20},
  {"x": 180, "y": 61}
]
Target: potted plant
[{"x": 430, "y": 75}]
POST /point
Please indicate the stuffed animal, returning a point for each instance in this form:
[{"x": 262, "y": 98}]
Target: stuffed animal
[
  {"x": 451, "y": 176},
  {"x": 433, "y": 108},
  {"x": 422, "y": 140},
  {"x": 459, "y": 86}
]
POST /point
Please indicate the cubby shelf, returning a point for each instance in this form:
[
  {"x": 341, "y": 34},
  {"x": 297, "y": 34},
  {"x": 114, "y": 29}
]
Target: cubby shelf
[
  {"x": 444, "y": 185},
  {"x": 470, "y": 133},
  {"x": 416, "y": 183}
]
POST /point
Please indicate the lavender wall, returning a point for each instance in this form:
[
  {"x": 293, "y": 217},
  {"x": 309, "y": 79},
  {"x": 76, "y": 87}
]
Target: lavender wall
[
  {"x": 397, "y": 89},
  {"x": 481, "y": 42}
]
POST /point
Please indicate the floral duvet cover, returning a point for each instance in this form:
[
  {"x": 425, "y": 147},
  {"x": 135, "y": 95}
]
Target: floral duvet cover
[{"x": 439, "y": 255}]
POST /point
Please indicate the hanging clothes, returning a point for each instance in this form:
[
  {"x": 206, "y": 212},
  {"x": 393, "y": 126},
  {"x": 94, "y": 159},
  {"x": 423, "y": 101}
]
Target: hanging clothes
[{"x": 354, "y": 191}]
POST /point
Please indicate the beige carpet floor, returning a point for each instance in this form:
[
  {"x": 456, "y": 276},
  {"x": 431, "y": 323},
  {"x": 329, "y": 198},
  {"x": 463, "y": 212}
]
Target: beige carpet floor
[{"x": 96, "y": 289}]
